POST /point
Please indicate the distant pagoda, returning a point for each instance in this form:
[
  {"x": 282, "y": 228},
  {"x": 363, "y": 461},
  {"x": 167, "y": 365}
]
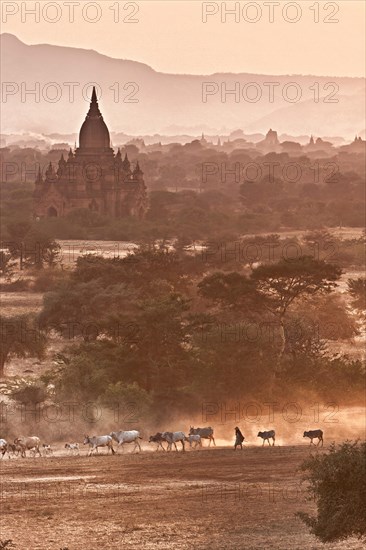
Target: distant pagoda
[{"x": 92, "y": 177}]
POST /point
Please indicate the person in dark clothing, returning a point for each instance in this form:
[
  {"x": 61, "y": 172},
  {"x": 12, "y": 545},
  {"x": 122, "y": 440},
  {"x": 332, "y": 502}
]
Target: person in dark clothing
[{"x": 239, "y": 438}]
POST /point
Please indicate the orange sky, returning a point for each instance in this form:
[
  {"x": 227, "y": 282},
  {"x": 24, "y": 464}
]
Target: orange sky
[{"x": 170, "y": 35}]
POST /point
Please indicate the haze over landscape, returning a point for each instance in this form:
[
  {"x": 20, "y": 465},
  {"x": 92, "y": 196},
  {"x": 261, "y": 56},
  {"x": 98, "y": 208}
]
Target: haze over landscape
[
  {"x": 156, "y": 102},
  {"x": 321, "y": 38},
  {"x": 182, "y": 275}
]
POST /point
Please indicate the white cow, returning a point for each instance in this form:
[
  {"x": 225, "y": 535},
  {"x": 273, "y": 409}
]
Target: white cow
[
  {"x": 172, "y": 438},
  {"x": 194, "y": 438},
  {"x": 47, "y": 449},
  {"x": 99, "y": 441},
  {"x": 72, "y": 448},
  {"x": 130, "y": 436}
]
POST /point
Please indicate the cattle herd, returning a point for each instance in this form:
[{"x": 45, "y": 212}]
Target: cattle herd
[{"x": 194, "y": 439}]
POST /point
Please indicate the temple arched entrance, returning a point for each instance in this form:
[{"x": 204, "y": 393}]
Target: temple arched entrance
[{"x": 52, "y": 212}]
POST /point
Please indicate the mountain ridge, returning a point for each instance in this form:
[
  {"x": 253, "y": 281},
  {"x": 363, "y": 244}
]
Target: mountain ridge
[{"x": 164, "y": 98}]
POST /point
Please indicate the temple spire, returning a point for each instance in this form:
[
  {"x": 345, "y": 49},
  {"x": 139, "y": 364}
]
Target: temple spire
[
  {"x": 39, "y": 176},
  {"x": 138, "y": 173},
  {"x": 61, "y": 165},
  {"x": 94, "y": 96},
  {"x": 94, "y": 133},
  {"x": 94, "y": 107},
  {"x": 126, "y": 163},
  {"x": 50, "y": 172}
]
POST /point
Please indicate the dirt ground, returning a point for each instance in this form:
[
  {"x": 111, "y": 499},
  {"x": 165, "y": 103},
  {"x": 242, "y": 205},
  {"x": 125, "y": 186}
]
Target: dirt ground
[{"x": 201, "y": 499}]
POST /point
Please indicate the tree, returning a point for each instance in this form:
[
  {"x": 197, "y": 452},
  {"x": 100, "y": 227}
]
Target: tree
[
  {"x": 20, "y": 337},
  {"x": 337, "y": 481},
  {"x": 357, "y": 290},
  {"x": 321, "y": 243},
  {"x": 161, "y": 341},
  {"x": 7, "y": 265},
  {"x": 232, "y": 289},
  {"x": 33, "y": 245},
  {"x": 280, "y": 285},
  {"x": 272, "y": 287},
  {"x": 150, "y": 351},
  {"x": 88, "y": 310},
  {"x": 329, "y": 315}
]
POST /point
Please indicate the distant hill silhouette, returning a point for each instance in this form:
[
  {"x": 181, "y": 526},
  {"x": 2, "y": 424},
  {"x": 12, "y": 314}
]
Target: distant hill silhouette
[{"x": 165, "y": 100}]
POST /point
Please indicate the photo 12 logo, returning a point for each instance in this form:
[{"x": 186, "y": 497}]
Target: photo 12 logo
[
  {"x": 270, "y": 12},
  {"x": 71, "y": 92},
  {"x": 254, "y": 412},
  {"x": 69, "y": 413},
  {"x": 252, "y": 172},
  {"x": 245, "y": 493},
  {"x": 65, "y": 492},
  {"x": 28, "y": 12},
  {"x": 271, "y": 91}
]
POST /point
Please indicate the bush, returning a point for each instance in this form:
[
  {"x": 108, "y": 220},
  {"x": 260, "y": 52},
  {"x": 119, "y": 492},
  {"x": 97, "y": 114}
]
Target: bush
[
  {"x": 47, "y": 279},
  {"x": 30, "y": 393},
  {"x": 20, "y": 285},
  {"x": 338, "y": 483}
]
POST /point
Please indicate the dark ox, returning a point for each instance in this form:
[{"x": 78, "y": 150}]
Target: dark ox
[
  {"x": 157, "y": 438},
  {"x": 266, "y": 436},
  {"x": 314, "y": 434}
]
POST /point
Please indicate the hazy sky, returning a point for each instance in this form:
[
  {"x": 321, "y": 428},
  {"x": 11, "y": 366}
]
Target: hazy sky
[{"x": 170, "y": 35}]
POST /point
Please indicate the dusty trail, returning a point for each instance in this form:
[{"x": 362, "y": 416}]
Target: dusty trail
[{"x": 209, "y": 499}]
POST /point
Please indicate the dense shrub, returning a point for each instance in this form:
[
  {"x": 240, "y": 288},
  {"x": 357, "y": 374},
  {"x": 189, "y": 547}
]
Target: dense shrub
[
  {"x": 30, "y": 393},
  {"x": 338, "y": 483}
]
